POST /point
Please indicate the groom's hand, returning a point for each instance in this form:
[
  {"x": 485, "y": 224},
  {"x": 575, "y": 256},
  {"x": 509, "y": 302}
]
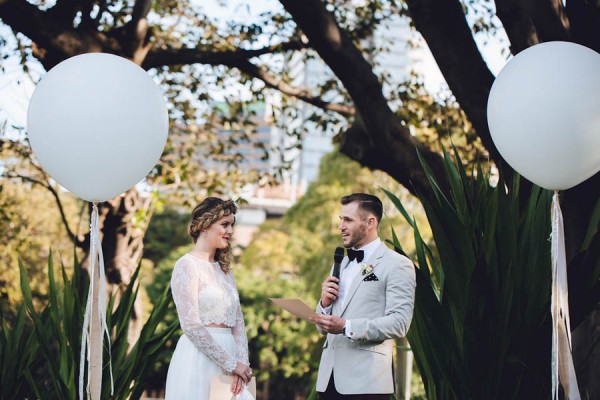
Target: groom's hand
[
  {"x": 329, "y": 291},
  {"x": 330, "y": 323}
]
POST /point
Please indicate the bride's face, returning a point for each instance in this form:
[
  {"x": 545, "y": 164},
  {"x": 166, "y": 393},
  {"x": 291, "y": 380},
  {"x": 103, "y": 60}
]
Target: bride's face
[{"x": 219, "y": 234}]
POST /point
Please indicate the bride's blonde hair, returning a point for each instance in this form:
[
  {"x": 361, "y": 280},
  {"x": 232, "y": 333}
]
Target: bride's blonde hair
[{"x": 209, "y": 211}]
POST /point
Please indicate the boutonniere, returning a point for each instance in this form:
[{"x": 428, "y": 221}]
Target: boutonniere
[{"x": 366, "y": 268}]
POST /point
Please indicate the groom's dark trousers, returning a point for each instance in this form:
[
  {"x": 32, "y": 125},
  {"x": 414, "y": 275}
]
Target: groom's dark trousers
[{"x": 331, "y": 394}]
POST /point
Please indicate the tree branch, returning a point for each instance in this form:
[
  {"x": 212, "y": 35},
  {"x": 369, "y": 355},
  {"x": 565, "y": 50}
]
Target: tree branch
[
  {"x": 141, "y": 8},
  {"x": 550, "y": 20},
  {"x": 377, "y": 139},
  {"x": 65, "y": 11},
  {"x": 54, "y": 41},
  {"x": 446, "y": 31},
  {"x": 395, "y": 157},
  {"x": 159, "y": 57},
  {"x": 301, "y": 94},
  {"x": 584, "y": 17},
  {"x": 22, "y": 17},
  {"x": 530, "y": 22},
  {"x": 240, "y": 59},
  {"x": 25, "y": 152},
  {"x": 137, "y": 31},
  {"x": 78, "y": 242},
  {"x": 518, "y": 24},
  {"x": 338, "y": 51}
]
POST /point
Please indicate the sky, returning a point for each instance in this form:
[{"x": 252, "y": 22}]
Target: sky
[{"x": 15, "y": 87}]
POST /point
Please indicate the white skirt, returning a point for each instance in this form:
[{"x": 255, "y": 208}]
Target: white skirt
[{"x": 190, "y": 370}]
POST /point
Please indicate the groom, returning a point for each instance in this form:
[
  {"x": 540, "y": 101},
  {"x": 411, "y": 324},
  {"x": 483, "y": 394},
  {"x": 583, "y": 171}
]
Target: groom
[{"x": 365, "y": 310}]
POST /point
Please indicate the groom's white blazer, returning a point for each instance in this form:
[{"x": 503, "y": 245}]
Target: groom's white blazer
[{"x": 380, "y": 310}]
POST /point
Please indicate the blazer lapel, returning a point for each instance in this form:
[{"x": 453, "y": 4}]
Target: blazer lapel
[{"x": 358, "y": 279}]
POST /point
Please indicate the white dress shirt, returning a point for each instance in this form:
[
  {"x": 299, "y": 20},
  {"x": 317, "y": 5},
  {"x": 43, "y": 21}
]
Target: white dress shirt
[{"x": 347, "y": 276}]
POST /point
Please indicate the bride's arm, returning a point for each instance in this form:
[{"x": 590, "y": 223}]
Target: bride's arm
[
  {"x": 185, "y": 286},
  {"x": 239, "y": 333}
]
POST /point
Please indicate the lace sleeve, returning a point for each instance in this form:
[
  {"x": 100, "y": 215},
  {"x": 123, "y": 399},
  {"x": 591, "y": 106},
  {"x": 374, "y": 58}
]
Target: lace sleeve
[
  {"x": 185, "y": 285},
  {"x": 239, "y": 333}
]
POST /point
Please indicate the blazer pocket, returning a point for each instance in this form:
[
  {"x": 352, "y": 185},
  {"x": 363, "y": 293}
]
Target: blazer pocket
[
  {"x": 372, "y": 283},
  {"x": 374, "y": 348},
  {"x": 376, "y": 286}
]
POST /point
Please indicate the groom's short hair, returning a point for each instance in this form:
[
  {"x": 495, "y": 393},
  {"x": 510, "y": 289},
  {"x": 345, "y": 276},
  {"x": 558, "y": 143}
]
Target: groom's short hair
[{"x": 366, "y": 202}]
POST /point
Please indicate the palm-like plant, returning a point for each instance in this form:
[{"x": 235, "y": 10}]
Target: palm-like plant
[
  {"x": 481, "y": 327},
  {"x": 40, "y": 355}
]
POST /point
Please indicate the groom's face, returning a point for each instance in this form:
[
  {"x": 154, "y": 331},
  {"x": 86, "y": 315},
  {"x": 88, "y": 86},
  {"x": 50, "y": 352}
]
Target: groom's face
[{"x": 352, "y": 226}]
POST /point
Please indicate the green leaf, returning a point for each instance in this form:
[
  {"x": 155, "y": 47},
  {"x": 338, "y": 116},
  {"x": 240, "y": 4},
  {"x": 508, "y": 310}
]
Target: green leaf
[
  {"x": 396, "y": 201},
  {"x": 592, "y": 227},
  {"x": 484, "y": 333},
  {"x": 46, "y": 352}
]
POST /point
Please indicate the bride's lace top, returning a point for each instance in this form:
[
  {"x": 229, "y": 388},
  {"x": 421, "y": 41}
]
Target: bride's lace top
[{"x": 205, "y": 295}]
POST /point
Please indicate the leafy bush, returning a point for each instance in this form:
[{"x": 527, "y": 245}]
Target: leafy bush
[
  {"x": 39, "y": 350},
  {"x": 481, "y": 326}
]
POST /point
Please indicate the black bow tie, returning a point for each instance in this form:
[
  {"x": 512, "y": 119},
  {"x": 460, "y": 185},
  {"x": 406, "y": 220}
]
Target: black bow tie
[{"x": 358, "y": 254}]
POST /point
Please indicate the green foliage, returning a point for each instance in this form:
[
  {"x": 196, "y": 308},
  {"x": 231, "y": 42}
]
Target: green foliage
[
  {"x": 481, "y": 323},
  {"x": 290, "y": 258},
  {"x": 40, "y": 354},
  {"x": 17, "y": 352},
  {"x": 312, "y": 223},
  {"x": 438, "y": 121},
  {"x": 282, "y": 347},
  {"x": 287, "y": 258},
  {"x": 166, "y": 231},
  {"x": 30, "y": 224}
]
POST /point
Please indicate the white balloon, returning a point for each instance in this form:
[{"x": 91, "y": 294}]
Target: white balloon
[
  {"x": 98, "y": 124},
  {"x": 544, "y": 114}
]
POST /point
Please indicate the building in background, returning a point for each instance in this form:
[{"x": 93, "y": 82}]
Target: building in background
[
  {"x": 395, "y": 60},
  {"x": 303, "y": 151}
]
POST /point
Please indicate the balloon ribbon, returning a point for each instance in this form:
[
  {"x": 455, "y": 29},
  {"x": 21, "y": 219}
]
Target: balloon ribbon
[
  {"x": 94, "y": 320},
  {"x": 563, "y": 370}
]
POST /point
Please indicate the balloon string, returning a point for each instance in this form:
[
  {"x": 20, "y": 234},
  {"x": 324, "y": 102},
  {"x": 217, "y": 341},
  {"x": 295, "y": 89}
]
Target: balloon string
[
  {"x": 96, "y": 257},
  {"x": 563, "y": 370},
  {"x": 102, "y": 314}
]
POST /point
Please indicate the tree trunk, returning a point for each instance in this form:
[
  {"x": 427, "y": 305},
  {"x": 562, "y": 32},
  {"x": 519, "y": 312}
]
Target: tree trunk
[{"x": 122, "y": 246}]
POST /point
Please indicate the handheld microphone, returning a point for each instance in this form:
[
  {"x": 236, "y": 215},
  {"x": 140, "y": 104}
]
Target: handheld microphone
[{"x": 338, "y": 256}]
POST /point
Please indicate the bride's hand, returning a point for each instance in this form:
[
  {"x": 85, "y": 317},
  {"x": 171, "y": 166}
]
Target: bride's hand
[
  {"x": 237, "y": 385},
  {"x": 243, "y": 371}
]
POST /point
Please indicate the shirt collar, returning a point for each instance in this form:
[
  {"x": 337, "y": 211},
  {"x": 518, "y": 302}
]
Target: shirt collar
[{"x": 370, "y": 248}]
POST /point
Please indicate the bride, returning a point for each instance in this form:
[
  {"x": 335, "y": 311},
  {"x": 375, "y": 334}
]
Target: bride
[{"x": 214, "y": 340}]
